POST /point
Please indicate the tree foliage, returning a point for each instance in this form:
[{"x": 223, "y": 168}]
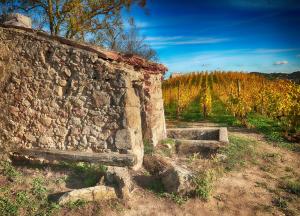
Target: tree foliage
[{"x": 72, "y": 18}]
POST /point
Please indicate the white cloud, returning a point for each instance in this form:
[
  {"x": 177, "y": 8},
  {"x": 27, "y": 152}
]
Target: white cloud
[
  {"x": 180, "y": 40},
  {"x": 281, "y": 62},
  {"x": 161, "y": 39}
]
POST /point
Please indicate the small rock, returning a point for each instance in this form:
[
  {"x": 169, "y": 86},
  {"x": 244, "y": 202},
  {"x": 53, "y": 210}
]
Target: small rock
[
  {"x": 178, "y": 180},
  {"x": 63, "y": 83},
  {"x": 123, "y": 139},
  {"x": 67, "y": 72},
  {"x": 46, "y": 121},
  {"x": 89, "y": 194},
  {"x": 121, "y": 179},
  {"x": 30, "y": 137},
  {"x": 221, "y": 157},
  {"x": 175, "y": 179},
  {"x": 59, "y": 91}
]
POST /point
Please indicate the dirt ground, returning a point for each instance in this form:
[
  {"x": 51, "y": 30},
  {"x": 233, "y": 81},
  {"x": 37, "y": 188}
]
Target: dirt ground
[{"x": 254, "y": 189}]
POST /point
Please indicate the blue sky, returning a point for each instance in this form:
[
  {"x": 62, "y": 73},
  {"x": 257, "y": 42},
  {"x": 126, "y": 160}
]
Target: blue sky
[{"x": 240, "y": 35}]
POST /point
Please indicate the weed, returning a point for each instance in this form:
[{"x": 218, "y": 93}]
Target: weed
[
  {"x": 38, "y": 188},
  {"x": 8, "y": 208},
  {"x": 263, "y": 208},
  {"x": 168, "y": 141},
  {"x": 52, "y": 208},
  {"x": 289, "y": 169},
  {"x": 178, "y": 199},
  {"x": 165, "y": 151},
  {"x": 148, "y": 147},
  {"x": 238, "y": 152},
  {"x": 271, "y": 157},
  {"x": 280, "y": 202},
  {"x": 116, "y": 206},
  {"x": 204, "y": 184},
  {"x": 60, "y": 180},
  {"x": 76, "y": 204},
  {"x": 266, "y": 168},
  {"x": 146, "y": 173},
  {"x": 291, "y": 186},
  {"x": 22, "y": 198},
  {"x": 9, "y": 171},
  {"x": 193, "y": 157},
  {"x": 261, "y": 184}
]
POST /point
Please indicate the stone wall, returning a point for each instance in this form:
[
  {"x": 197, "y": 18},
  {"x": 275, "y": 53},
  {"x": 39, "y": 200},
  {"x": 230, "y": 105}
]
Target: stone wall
[{"x": 60, "y": 94}]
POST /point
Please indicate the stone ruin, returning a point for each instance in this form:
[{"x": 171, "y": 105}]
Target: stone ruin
[{"x": 71, "y": 97}]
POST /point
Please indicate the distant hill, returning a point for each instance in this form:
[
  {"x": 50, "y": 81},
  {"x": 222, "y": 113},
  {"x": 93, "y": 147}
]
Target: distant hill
[{"x": 295, "y": 76}]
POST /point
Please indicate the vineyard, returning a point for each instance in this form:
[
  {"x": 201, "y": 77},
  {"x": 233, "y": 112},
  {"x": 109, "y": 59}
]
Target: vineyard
[{"x": 240, "y": 95}]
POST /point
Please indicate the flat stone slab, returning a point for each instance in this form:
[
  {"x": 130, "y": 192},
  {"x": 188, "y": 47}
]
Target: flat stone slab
[{"x": 110, "y": 159}]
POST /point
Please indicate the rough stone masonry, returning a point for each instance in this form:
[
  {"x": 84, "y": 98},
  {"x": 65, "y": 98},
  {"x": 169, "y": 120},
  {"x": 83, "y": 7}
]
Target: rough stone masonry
[{"x": 61, "y": 94}]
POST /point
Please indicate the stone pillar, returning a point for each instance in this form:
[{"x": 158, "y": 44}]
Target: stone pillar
[
  {"x": 129, "y": 139},
  {"x": 154, "y": 126},
  {"x": 16, "y": 19}
]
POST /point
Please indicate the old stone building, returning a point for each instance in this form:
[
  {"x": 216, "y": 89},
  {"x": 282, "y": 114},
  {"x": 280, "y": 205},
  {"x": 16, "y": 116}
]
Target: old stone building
[{"x": 70, "y": 96}]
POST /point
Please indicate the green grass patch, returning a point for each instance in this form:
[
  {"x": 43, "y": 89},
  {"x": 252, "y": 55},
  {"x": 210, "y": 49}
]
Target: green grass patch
[
  {"x": 7, "y": 207},
  {"x": 191, "y": 113},
  {"x": 221, "y": 116},
  {"x": 38, "y": 188},
  {"x": 76, "y": 204},
  {"x": 204, "y": 184},
  {"x": 178, "y": 199},
  {"x": 8, "y": 170},
  {"x": 148, "y": 148},
  {"x": 272, "y": 130},
  {"x": 238, "y": 152},
  {"x": 33, "y": 198}
]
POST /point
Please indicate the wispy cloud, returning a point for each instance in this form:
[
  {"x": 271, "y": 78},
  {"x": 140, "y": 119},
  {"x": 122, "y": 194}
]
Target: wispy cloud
[
  {"x": 180, "y": 40},
  {"x": 281, "y": 62},
  {"x": 263, "y": 51}
]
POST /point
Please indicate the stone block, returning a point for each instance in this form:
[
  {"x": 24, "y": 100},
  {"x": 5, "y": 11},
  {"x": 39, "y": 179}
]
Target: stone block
[
  {"x": 16, "y": 20},
  {"x": 120, "y": 178},
  {"x": 89, "y": 194}
]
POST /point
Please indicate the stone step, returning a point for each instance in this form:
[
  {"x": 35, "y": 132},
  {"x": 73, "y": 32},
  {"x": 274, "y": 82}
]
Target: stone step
[{"x": 197, "y": 146}]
